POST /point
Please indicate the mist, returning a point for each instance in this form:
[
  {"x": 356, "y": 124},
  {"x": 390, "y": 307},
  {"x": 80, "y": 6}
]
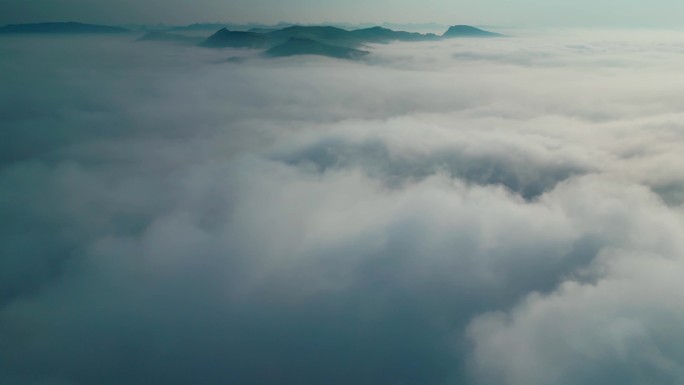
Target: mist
[{"x": 467, "y": 211}]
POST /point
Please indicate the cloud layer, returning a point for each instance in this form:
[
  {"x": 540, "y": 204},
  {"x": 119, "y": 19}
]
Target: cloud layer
[{"x": 504, "y": 211}]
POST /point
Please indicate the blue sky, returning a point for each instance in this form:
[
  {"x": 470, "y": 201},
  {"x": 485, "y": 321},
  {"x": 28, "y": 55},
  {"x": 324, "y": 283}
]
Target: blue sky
[{"x": 509, "y": 13}]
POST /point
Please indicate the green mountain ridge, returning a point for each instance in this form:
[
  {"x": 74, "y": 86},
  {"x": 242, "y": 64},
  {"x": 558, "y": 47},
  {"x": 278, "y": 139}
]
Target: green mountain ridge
[
  {"x": 302, "y": 46},
  {"x": 170, "y": 37},
  {"x": 224, "y": 38},
  {"x": 332, "y": 35},
  {"x": 468, "y": 31},
  {"x": 327, "y": 40},
  {"x": 289, "y": 40}
]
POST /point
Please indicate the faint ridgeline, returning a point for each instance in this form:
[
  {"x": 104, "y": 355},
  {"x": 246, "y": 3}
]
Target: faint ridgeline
[
  {"x": 170, "y": 37},
  {"x": 61, "y": 28},
  {"x": 468, "y": 31},
  {"x": 302, "y": 46},
  {"x": 326, "y": 40}
]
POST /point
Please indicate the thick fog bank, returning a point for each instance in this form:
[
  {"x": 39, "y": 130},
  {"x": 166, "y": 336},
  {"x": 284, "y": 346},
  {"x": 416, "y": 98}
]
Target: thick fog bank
[{"x": 497, "y": 211}]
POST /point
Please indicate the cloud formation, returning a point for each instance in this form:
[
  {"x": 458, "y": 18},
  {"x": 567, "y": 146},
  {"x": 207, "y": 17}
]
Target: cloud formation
[{"x": 506, "y": 211}]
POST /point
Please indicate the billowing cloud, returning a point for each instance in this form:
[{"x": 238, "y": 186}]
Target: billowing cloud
[{"x": 505, "y": 211}]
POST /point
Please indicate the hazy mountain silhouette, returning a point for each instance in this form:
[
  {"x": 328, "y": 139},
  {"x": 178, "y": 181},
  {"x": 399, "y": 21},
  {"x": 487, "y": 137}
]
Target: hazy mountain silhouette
[
  {"x": 384, "y": 35},
  {"x": 262, "y": 30},
  {"x": 468, "y": 31},
  {"x": 322, "y": 34},
  {"x": 170, "y": 37},
  {"x": 237, "y": 39},
  {"x": 265, "y": 38},
  {"x": 200, "y": 27},
  {"x": 60, "y": 28},
  {"x": 268, "y": 39},
  {"x": 302, "y": 46}
]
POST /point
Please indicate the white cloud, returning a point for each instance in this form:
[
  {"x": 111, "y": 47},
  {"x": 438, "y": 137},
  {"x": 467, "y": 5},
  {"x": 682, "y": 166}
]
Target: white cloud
[{"x": 475, "y": 211}]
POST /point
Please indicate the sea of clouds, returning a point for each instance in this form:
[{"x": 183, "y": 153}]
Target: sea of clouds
[{"x": 502, "y": 211}]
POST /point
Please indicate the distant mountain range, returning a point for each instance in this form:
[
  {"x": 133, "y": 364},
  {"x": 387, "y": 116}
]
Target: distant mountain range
[
  {"x": 327, "y": 40},
  {"x": 256, "y": 26},
  {"x": 331, "y": 35},
  {"x": 61, "y": 28},
  {"x": 239, "y": 39},
  {"x": 275, "y": 42},
  {"x": 170, "y": 37},
  {"x": 302, "y": 46}
]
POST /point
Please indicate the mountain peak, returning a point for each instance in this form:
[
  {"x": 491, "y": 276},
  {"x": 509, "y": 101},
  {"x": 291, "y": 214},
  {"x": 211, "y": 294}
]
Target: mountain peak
[
  {"x": 468, "y": 31},
  {"x": 236, "y": 39}
]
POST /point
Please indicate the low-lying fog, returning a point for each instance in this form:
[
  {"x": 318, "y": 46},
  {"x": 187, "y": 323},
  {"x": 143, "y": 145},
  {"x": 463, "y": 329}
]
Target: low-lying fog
[{"x": 475, "y": 211}]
